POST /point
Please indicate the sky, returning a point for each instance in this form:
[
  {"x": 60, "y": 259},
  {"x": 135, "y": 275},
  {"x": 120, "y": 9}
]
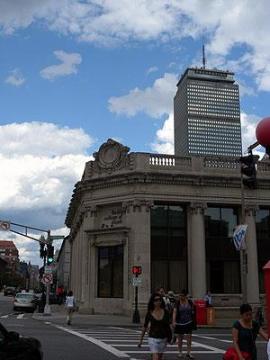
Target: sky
[{"x": 74, "y": 73}]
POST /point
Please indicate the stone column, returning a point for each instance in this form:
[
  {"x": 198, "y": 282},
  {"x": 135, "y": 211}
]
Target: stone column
[
  {"x": 138, "y": 220},
  {"x": 84, "y": 260},
  {"x": 89, "y": 265},
  {"x": 197, "y": 250},
  {"x": 252, "y": 256}
]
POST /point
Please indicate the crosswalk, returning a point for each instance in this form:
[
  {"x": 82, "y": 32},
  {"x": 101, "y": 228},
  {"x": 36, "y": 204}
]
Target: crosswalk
[
  {"x": 18, "y": 316},
  {"x": 123, "y": 342}
]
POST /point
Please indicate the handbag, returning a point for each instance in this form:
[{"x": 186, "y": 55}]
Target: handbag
[{"x": 231, "y": 354}]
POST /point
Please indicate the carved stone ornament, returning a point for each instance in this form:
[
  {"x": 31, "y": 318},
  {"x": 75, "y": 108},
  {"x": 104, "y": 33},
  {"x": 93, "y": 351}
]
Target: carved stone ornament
[
  {"x": 111, "y": 156},
  {"x": 196, "y": 208}
]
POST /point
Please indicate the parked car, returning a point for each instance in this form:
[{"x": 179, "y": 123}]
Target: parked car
[
  {"x": 10, "y": 291},
  {"x": 13, "y": 346},
  {"x": 25, "y": 301}
]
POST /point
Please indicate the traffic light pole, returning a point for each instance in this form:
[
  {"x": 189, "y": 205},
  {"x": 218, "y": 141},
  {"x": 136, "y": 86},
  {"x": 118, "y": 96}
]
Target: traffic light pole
[
  {"x": 136, "y": 315},
  {"x": 47, "y": 308},
  {"x": 243, "y": 251}
]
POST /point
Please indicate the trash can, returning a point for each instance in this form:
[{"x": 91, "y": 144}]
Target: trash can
[
  {"x": 201, "y": 314},
  {"x": 211, "y": 316}
]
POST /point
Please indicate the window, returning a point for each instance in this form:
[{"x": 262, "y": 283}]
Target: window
[
  {"x": 263, "y": 241},
  {"x": 223, "y": 261},
  {"x": 110, "y": 272},
  {"x": 168, "y": 247}
]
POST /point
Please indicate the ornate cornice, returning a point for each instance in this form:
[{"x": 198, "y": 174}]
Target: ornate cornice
[
  {"x": 196, "y": 208},
  {"x": 251, "y": 210}
]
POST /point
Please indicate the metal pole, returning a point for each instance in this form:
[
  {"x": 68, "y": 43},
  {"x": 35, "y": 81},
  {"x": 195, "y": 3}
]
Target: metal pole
[
  {"x": 136, "y": 315},
  {"x": 47, "y": 309},
  {"x": 243, "y": 251}
]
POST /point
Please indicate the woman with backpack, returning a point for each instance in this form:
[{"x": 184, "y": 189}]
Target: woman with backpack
[{"x": 184, "y": 322}]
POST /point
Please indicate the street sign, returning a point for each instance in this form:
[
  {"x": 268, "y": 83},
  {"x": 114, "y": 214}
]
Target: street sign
[
  {"x": 239, "y": 237},
  {"x": 48, "y": 269},
  {"x": 57, "y": 237},
  {"x": 47, "y": 279},
  {"x": 136, "y": 281},
  {"x": 4, "y": 225}
]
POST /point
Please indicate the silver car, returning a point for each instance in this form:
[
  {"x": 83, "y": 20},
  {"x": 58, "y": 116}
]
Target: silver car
[{"x": 25, "y": 301}]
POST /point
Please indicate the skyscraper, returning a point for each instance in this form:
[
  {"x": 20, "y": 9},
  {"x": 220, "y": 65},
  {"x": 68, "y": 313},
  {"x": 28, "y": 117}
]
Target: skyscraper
[{"x": 207, "y": 113}]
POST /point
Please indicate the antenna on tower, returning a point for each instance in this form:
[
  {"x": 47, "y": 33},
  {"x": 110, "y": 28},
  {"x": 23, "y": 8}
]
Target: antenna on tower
[{"x": 203, "y": 58}]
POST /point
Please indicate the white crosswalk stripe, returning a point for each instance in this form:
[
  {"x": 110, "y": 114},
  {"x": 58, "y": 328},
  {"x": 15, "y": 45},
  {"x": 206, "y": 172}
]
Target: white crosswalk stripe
[
  {"x": 125, "y": 341},
  {"x": 18, "y": 316}
]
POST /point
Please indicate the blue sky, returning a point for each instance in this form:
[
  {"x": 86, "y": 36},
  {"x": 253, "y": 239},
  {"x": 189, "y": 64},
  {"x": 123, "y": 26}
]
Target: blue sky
[{"x": 74, "y": 73}]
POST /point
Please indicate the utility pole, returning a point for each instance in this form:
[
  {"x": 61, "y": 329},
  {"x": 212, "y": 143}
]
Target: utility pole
[
  {"x": 6, "y": 225},
  {"x": 243, "y": 251},
  {"x": 248, "y": 179}
]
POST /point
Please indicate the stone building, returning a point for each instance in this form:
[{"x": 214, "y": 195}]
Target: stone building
[
  {"x": 63, "y": 265},
  {"x": 174, "y": 217},
  {"x": 10, "y": 253}
]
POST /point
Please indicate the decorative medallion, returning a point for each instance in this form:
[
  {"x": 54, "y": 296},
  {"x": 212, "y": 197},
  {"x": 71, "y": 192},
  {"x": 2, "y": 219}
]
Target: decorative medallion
[{"x": 111, "y": 155}]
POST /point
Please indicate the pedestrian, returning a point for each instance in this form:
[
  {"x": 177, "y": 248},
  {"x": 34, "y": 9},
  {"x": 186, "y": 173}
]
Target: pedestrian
[
  {"x": 172, "y": 298},
  {"x": 157, "y": 324},
  {"x": 244, "y": 334},
  {"x": 165, "y": 298},
  {"x": 70, "y": 306},
  {"x": 208, "y": 299},
  {"x": 184, "y": 322}
]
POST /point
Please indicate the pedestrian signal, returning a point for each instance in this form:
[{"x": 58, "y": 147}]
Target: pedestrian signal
[{"x": 136, "y": 270}]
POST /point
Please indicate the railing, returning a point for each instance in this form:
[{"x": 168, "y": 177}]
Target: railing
[
  {"x": 221, "y": 163},
  {"x": 161, "y": 160}
]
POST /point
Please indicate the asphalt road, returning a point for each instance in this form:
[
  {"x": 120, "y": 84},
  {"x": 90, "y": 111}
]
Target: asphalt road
[{"x": 84, "y": 342}]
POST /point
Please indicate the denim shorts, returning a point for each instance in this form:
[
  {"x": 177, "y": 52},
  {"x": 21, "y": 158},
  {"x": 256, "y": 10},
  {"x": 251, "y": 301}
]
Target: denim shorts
[{"x": 157, "y": 345}]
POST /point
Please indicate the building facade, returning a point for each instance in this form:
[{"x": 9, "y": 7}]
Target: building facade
[
  {"x": 63, "y": 265},
  {"x": 174, "y": 217},
  {"x": 207, "y": 114},
  {"x": 10, "y": 253}
]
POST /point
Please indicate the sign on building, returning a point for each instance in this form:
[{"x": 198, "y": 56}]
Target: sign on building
[{"x": 239, "y": 237}]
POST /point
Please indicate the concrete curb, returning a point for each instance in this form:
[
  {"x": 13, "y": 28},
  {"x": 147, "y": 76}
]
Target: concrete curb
[{"x": 105, "y": 320}]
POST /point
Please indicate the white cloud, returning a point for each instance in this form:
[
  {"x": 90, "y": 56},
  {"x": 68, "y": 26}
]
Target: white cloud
[
  {"x": 42, "y": 139},
  {"x": 40, "y": 163},
  {"x": 151, "y": 70},
  {"x": 164, "y": 143},
  {"x": 15, "y": 78},
  {"x": 68, "y": 66},
  {"x": 154, "y": 101},
  {"x": 227, "y": 23}
]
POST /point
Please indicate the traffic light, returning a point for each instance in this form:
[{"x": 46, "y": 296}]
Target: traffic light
[
  {"x": 50, "y": 254},
  {"x": 136, "y": 270},
  {"x": 248, "y": 169}
]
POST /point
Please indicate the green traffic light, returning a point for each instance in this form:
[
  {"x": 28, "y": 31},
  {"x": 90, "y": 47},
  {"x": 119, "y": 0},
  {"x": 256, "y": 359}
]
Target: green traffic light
[{"x": 50, "y": 260}]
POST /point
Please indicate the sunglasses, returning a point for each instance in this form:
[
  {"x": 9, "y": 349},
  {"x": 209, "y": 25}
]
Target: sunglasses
[{"x": 157, "y": 299}]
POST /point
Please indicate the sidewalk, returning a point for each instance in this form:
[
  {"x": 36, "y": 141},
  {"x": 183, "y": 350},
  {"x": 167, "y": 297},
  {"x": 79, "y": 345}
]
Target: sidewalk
[{"x": 58, "y": 316}]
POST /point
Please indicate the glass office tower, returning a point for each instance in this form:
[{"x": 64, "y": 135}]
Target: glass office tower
[{"x": 207, "y": 114}]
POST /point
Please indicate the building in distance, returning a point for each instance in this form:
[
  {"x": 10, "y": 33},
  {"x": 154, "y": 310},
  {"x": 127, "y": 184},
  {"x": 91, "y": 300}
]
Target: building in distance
[
  {"x": 207, "y": 114},
  {"x": 10, "y": 253}
]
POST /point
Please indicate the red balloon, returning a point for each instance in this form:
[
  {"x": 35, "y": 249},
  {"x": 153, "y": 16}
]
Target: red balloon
[{"x": 263, "y": 132}]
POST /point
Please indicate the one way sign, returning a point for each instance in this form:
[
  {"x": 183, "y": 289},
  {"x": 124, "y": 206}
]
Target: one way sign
[
  {"x": 4, "y": 225},
  {"x": 239, "y": 237}
]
